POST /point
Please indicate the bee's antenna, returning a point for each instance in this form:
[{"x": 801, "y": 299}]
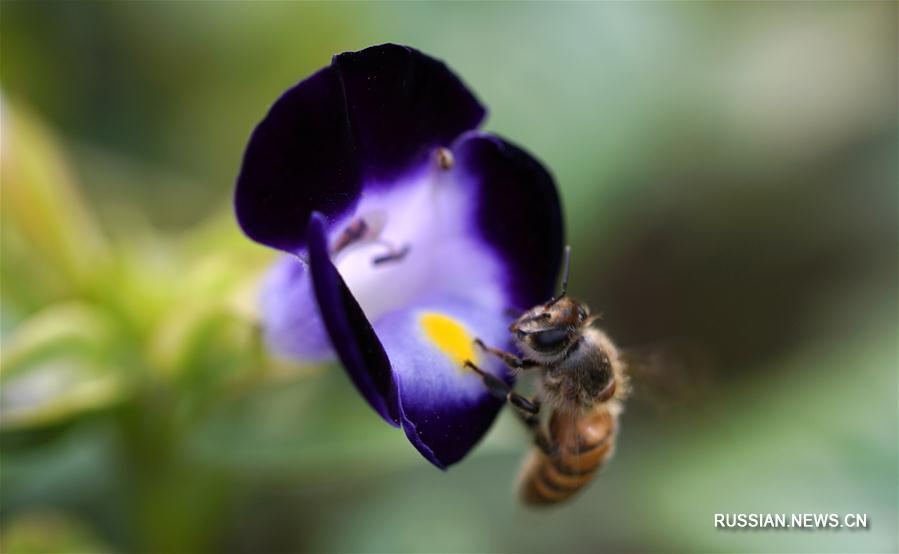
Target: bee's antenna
[
  {"x": 565, "y": 272},
  {"x": 567, "y": 262}
]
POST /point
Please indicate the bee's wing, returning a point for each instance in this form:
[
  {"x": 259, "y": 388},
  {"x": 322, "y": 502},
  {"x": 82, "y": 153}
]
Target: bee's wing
[{"x": 672, "y": 375}]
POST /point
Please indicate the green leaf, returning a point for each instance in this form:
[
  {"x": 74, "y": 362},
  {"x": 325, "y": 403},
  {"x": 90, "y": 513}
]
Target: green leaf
[
  {"x": 42, "y": 200},
  {"x": 57, "y": 364}
]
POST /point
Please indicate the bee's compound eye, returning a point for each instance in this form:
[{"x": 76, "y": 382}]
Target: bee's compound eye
[
  {"x": 520, "y": 334},
  {"x": 550, "y": 339}
]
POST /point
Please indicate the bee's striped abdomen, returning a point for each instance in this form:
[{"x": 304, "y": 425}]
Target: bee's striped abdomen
[{"x": 581, "y": 445}]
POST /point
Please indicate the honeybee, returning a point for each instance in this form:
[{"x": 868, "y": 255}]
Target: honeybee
[{"x": 582, "y": 384}]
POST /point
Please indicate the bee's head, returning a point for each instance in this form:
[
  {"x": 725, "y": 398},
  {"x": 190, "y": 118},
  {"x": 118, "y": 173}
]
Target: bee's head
[{"x": 549, "y": 329}]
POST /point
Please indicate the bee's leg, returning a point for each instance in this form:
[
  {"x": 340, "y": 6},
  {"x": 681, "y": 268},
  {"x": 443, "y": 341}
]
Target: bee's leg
[
  {"x": 527, "y": 409},
  {"x": 531, "y": 420},
  {"x": 509, "y": 359}
]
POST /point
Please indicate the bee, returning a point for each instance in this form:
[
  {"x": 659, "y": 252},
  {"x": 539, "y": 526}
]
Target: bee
[{"x": 582, "y": 385}]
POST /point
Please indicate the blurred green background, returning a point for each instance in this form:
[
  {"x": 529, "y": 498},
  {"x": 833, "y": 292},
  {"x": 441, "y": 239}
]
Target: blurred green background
[{"x": 729, "y": 174}]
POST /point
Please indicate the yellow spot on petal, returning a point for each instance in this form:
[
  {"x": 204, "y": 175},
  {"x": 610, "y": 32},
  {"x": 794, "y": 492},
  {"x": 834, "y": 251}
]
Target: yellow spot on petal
[{"x": 449, "y": 336}]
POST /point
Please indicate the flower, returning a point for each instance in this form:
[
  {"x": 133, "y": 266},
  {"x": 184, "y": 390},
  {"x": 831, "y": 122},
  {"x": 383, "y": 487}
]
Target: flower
[{"x": 409, "y": 235}]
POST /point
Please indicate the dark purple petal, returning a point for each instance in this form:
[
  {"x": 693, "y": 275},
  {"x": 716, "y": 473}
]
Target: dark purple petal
[
  {"x": 402, "y": 105},
  {"x": 370, "y": 117},
  {"x": 444, "y": 434},
  {"x": 351, "y": 334},
  {"x": 302, "y": 157},
  {"x": 445, "y": 408},
  {"x": 518, "y": 213}
]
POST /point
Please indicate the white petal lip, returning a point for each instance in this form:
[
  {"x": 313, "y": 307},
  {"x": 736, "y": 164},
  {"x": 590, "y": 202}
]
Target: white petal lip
[{"x": 434, "y": 214}]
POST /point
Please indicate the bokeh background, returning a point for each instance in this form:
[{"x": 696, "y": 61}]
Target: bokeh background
[{"x": 729, "y": 175}]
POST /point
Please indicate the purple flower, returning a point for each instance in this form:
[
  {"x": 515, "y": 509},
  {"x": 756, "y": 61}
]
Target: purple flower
[{"x": 410, "y": 234}]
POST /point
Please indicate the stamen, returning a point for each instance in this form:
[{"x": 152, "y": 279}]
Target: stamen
[
  {"x": 445, "y": 158},
  {"x": 364, "y": 228},
  {"x": 392, "y": 255},
  {"x": 353, "y": 233}
]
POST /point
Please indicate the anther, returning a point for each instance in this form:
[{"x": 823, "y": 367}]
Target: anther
[
  {"x": 362, "y": 229},
  {"x": 354, "y": 232},
  {"x": 445, "y": 159},
  {"x": 392, "y": 255}
]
